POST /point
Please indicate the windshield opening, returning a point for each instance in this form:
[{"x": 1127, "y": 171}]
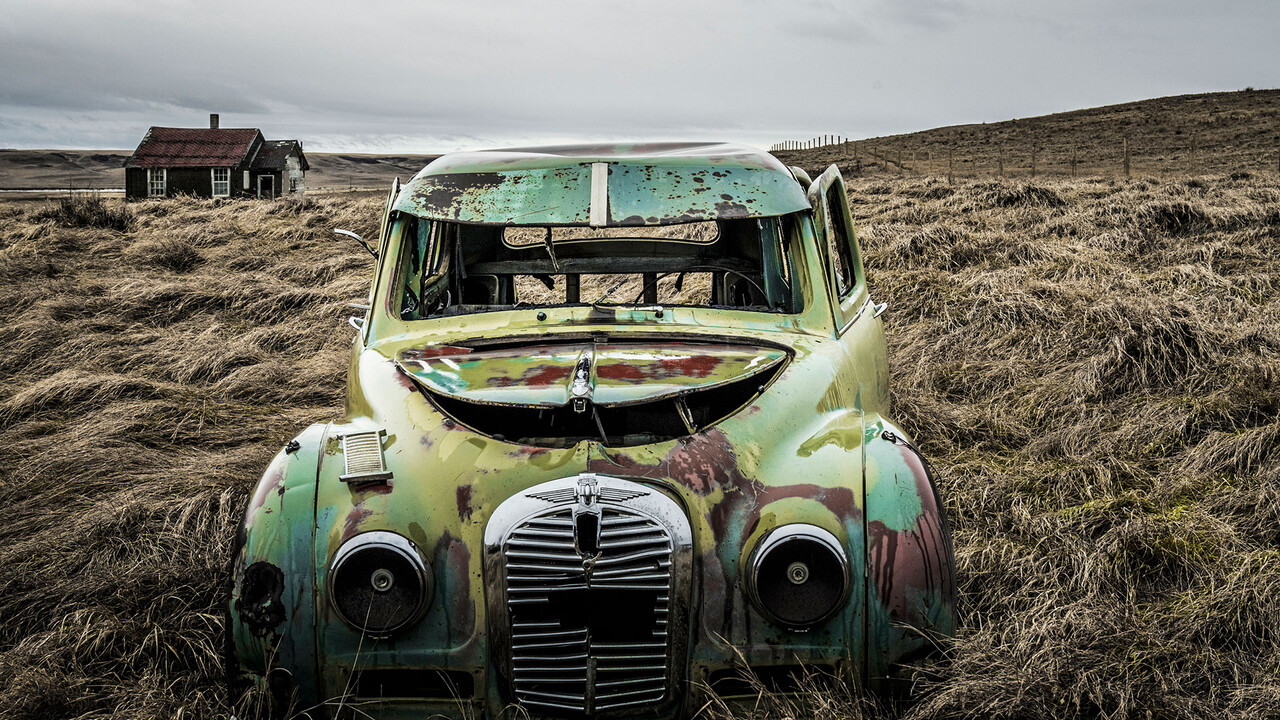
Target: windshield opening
[{"x": 451, "y": 269}]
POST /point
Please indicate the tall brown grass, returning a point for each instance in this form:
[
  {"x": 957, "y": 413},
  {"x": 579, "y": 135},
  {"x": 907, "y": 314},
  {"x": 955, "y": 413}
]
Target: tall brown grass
[{"x": 1091, "y": 366}]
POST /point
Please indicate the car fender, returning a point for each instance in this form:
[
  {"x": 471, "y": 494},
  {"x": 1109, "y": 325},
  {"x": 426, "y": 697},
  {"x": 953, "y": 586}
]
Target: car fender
[
  {"x": 911, "y": 592},
  {"x": 271, "y": 623}
]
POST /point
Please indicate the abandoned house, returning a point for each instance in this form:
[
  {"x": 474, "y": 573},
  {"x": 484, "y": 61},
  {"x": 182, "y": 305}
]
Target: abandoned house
[{"x": 214, "y": 162}]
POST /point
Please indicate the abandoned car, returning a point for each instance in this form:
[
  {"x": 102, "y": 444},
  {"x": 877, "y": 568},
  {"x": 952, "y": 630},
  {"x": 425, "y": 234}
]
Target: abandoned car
[{"x": 617, "y": 428}]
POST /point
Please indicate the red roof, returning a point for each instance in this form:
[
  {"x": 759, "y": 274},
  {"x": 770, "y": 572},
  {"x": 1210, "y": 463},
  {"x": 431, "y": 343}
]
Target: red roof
[{"x": 193, "y": 147}]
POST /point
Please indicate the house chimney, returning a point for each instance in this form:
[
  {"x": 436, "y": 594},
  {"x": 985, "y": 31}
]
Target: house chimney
[{"x": 213, "y": 121}]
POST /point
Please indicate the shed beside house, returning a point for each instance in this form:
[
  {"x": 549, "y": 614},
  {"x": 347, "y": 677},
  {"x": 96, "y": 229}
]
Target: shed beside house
[{"x": 214, "y": 162}]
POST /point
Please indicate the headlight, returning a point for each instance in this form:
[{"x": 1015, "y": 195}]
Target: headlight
[
  {"x": 798, "y": 575},
  {"x": 379, "y": 582}
]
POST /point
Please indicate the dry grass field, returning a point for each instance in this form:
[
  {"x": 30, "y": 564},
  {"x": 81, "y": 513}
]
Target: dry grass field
[{"x": 1092, "y": 366}]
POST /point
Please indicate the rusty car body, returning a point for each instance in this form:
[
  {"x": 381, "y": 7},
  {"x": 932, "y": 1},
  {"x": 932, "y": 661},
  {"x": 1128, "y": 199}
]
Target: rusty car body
[{"x": 617, "y": 426}]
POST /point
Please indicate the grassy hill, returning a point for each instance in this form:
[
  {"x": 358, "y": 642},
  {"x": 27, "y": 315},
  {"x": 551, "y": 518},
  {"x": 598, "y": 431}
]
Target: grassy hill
[
  {"x": 61, "y": 169},
  {"x": 1228, "y": 132}
]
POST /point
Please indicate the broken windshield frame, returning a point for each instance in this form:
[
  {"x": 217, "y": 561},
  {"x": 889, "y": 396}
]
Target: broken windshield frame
[{"x": 741, "y": 264}]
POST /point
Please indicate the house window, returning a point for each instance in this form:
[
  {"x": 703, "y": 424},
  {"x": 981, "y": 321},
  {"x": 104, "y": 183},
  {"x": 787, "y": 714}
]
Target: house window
[
  {"x": 293, "y": 185},
  {"x": 221, "y": 182},
  {"x": 155, "y": 182}
]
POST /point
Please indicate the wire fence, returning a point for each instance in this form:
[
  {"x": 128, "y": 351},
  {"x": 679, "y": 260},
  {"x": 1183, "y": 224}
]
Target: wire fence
[{"x": 1123, "y": 158}]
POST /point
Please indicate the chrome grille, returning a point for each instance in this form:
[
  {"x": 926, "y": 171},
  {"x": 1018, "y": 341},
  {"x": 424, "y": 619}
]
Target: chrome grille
[{"x": 589, "y": 635}]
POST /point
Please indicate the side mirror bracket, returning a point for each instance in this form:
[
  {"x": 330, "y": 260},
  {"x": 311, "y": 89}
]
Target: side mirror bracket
[{"x": 357, "y": 238}]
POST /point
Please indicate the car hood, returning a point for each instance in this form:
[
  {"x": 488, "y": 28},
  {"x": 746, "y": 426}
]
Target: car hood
[{"x": 610, "y": 374}]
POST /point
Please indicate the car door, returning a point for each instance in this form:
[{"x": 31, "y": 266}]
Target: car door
[
  {"x": 846, "y": 279},
  {"x": 384, "y": 240},
  {"x": 856, "y": 317}
]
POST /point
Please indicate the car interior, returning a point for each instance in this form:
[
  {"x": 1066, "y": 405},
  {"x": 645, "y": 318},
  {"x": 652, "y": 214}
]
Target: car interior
[{"x": 451, "y": 268}]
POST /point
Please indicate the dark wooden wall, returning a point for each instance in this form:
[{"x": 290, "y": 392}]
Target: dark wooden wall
[{"x": 186, "y": 181}]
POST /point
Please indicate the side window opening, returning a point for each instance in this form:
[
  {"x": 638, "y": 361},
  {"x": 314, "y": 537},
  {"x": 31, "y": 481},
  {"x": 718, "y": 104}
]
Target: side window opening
[
  {"x": 417, "y": 263},
  {"x": 839, "y": 244}
]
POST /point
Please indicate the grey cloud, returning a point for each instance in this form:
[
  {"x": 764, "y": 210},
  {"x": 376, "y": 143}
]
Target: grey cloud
[{"x": 403, "y": 75}]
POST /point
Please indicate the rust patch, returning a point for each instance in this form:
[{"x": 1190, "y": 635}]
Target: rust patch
[
  {"x": 703, "y": 463},
  {"x": 464, "y": 502},
  {"x": 259, "y": 604},
  {"x": 454, "y": 557}
]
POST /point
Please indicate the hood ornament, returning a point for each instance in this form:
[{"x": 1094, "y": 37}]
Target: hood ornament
[{"x": 580, "y": 388}]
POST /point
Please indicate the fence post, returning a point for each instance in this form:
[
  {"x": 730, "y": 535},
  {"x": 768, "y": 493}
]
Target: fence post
[
  {"x": 1195, "y": 151},
  {"x": 1000, "y": 161},
  {"x": 1033, "y": 158},
  {"x": 950, "y": 166},
  {"x": 1126, "y": 158},
  {"x": 1073, "y": 163}
]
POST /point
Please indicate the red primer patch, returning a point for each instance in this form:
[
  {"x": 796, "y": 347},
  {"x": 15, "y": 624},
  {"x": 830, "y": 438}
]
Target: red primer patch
[
  {"x": 546, "y": 375},
  {"x": 432, "y": 351},
  {"x": 621, "y": 371},
  {"x": 351, "y": 527},
  {"x": 699, "y": 366}
]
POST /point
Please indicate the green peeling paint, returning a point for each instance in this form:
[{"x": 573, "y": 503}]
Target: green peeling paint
[{"x": 810, "y": 448}]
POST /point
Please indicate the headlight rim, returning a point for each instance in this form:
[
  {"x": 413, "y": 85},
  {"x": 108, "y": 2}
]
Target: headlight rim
[
  {"x": 403, "y": 547},
  {"x": 775, "y": 538}
]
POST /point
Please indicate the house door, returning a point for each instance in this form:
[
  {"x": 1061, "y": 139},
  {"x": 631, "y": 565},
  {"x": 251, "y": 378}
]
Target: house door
[{"x": 266, "y": 186}]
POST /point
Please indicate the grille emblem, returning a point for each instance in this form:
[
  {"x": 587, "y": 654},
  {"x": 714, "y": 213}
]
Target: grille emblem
[
  {"x": 588, "y": 490},
  {"x": 586, "y": 521}
]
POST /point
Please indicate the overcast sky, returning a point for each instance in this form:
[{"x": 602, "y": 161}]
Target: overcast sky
[{"x": 430, "y": 77}]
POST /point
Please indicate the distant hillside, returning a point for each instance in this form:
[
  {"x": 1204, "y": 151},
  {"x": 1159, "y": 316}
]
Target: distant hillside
[
  {"x": 335, "y": 171},
  {"x": 61, "y": 169},
  {"x": 1210, "y": 133}
]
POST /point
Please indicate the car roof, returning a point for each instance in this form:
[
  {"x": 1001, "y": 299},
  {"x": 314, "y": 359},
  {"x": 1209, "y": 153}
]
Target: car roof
[{"x": 615, "y": 185}]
